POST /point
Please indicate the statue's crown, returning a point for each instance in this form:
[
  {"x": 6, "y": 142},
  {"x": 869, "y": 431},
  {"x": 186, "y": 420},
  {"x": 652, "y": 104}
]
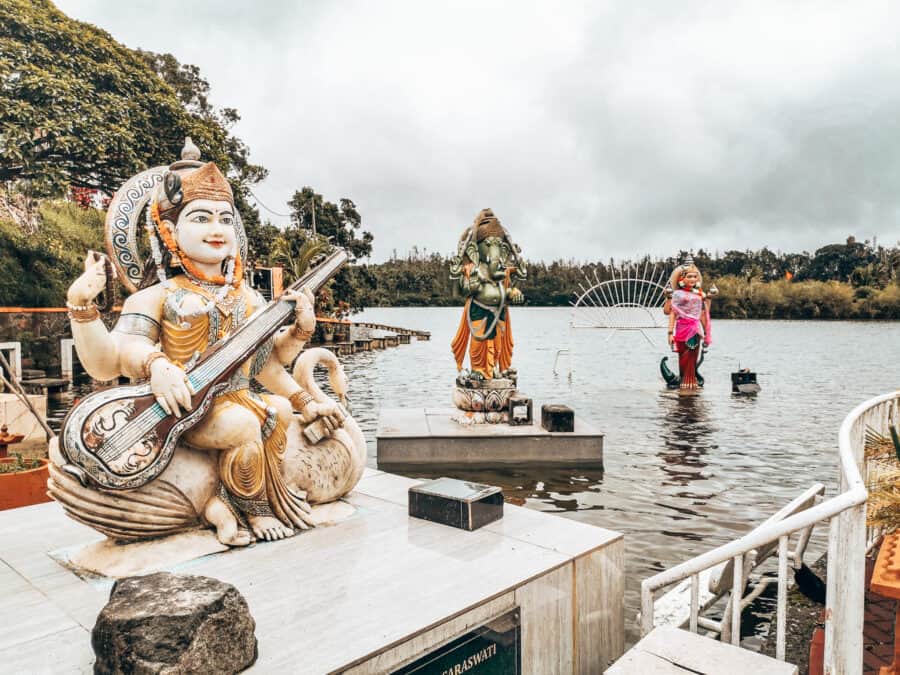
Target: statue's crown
[
  {"x": 487, "y": 225},
  {"x": 189, "y": 179},
  {"x": 207, "y": 182}
]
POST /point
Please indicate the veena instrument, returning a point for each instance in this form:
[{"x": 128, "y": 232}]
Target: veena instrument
[{"x": 121, "y": 438}]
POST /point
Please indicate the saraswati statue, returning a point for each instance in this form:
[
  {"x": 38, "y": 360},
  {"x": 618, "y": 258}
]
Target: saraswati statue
[
  {"x": 486, "y": 267},
  {"x": 690, "y": 327},
  {"x": 190, "y": 444}
]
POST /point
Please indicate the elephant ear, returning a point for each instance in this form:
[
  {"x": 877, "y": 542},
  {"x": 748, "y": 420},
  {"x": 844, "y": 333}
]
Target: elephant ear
[{"x": 472, "y": 252}]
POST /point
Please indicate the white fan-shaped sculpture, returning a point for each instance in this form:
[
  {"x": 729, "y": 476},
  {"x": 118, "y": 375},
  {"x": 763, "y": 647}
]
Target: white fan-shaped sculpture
[{"x": 630, "y": 299}]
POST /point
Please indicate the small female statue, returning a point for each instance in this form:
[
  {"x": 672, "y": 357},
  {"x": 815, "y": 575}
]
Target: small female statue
[{"x": 689, "y": 324}]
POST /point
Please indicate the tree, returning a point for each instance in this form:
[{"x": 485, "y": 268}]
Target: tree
[
  {"x": 78, "y": 108},
  {"x": 837, "y": 261},
  {"x": 295, "y": 251},
  {"x": 339, "y": 223}
]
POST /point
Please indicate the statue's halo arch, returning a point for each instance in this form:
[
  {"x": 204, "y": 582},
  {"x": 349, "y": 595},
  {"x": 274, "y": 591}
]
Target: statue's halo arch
[{"x": 124, "y": 222}]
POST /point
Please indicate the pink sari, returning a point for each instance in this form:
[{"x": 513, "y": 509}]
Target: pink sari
[{"x": 689, "y": 309}]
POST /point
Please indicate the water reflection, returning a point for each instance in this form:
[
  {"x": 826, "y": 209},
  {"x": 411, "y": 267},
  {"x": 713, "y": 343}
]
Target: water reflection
[
  {"x": 545, "y": 488},
  {"x": 687, "y": 433}
]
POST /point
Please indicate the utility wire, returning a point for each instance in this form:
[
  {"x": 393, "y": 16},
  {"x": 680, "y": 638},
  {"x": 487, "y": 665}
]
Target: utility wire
[{"x": 274, "y": 213}]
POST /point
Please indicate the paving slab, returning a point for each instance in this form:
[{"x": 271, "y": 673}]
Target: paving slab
[{"x": 377, "y": 588}]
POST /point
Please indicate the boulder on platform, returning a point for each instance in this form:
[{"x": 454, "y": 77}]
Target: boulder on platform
[{"x": 172, "y": 623}]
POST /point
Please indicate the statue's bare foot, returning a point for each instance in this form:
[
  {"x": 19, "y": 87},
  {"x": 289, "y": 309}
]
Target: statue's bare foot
[
  {"x": 269, "y": 528},
  {"x": 227, "y": 530}
]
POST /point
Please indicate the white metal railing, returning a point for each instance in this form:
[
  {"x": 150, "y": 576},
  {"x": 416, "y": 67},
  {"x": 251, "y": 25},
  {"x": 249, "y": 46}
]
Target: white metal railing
[{"x": 848, "y": 541}]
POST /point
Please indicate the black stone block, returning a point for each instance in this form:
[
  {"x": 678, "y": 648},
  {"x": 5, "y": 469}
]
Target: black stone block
[
  {"x": 520, "y": 410},
  {"x": 457, "y": 503},
  {"x": 556, "y": 417}
]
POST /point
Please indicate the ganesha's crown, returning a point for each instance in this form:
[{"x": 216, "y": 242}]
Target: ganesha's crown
[{"x": 487, "y": 225}]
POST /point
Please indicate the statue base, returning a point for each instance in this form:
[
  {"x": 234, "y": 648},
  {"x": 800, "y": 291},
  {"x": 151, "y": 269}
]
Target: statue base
[
  {"x": 372, "y": 594},
  {"x": 483, "y": 401},
  {"x": 415, "y": 438},
  {"x": 113, "y": 559}
]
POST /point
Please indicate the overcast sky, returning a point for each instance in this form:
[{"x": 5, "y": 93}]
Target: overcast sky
[{"x": 593, "y": 131}]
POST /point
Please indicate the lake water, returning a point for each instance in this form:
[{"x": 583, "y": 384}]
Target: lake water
[{"x": 682, "y": 474}]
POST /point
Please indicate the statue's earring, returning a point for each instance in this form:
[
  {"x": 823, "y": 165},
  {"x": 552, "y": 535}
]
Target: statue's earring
[{"x": 681, "y": 283}]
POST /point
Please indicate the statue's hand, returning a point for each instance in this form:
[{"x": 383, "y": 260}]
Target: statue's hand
[
  {"x": 91, "y": 283},
  {"x": 170, "y": 386},
  {"x": 516, "y": 296},
  {"x": 304, "y": 309},
  {"x": 328, "y": 412}
]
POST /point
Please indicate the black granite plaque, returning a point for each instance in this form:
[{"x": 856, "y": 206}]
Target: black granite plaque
[
  {"x": 556, "y": 417},
  {"x": 458, "y": 503},
  {"x": 492, "y": 649}
]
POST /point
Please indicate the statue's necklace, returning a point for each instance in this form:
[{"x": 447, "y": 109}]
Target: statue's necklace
[{"x": 219, "y": 296}]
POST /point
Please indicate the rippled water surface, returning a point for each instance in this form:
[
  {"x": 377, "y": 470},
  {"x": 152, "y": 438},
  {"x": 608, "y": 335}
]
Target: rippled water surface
[{"x": 682, "y": 474}]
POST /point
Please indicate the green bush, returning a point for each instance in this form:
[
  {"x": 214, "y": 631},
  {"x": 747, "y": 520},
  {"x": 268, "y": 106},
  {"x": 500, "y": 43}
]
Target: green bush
[{"x": 36, "y": 269}]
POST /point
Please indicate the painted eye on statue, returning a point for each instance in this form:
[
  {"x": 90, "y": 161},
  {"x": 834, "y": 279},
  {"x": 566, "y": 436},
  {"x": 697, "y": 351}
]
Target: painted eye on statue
[
  {"x": 200, "y": 218},
  {"x": 226, "y": 220}
]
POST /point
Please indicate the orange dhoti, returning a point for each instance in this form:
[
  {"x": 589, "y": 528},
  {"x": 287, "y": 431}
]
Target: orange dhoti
[{"x": 488, "y": 336}]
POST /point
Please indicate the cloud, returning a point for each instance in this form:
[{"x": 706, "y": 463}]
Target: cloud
[{"x": 595, "y": 130}]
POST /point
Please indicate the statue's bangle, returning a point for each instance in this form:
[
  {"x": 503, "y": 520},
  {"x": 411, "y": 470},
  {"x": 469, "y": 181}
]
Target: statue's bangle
[
  {"x": 149, "y": 362},
  {"x": 301, "y": 334},
  {"x": 299, "y": 400},
  {"x": 83, "y": 313}
]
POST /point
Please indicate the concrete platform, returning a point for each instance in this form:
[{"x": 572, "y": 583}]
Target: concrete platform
[
  {"x": 368, "y": 595},
  {"x": 416, "y": 437}
]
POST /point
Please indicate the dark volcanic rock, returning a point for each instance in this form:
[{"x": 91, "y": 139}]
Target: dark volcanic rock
[{"x": 172, "y": 623}]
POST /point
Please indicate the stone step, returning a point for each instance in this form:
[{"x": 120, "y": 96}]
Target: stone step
[{"x": 671, "y": 651}]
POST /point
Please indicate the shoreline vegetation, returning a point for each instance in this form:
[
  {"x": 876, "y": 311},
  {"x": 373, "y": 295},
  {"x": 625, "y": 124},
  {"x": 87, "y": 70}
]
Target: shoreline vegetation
[{"x": 850, "y": 281}]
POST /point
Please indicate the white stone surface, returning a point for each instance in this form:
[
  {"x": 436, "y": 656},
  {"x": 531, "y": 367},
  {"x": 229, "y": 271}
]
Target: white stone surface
[
  {"x": 368, "y": 593},
  {"x": 13, "y": 353},
  {"x": 673, "y": 651},
  {"x": 67, "y": 357},
  {"x": 20, "y": 420}
]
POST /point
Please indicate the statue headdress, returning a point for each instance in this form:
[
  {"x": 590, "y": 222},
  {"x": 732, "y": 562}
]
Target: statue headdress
[
  {"x": 164, "y": 189},
  {"x": 488, "y": 225},
  {"x": 485, "y": 225},
  {"x": 678, "y": 274}
]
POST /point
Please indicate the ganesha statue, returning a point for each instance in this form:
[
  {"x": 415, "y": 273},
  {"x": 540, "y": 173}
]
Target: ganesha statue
[
  {"x": 486, "y": 267},
  {"x": 190, "y": 444}
]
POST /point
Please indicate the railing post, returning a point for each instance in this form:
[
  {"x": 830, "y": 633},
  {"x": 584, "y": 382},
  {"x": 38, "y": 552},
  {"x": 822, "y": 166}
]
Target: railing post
[
  {"x": 845, "y": 597},
  {"x": 646, "y": 610},
  {"x": 781, "y": 619},
  {"x": 737, "y": 592}
]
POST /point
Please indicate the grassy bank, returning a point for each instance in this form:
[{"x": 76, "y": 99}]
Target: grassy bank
[{"x": 37, "y": 267}]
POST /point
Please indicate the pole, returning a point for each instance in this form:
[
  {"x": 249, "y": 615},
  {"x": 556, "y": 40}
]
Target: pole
[{"x": 314, "y": 214}]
